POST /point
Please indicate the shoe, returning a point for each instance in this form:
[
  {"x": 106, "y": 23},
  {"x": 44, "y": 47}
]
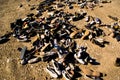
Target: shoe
[
  {"x": 50, "y": 53},
  {"x": 22, "y": 36},
  {"x": 71, "y": 66},
  {"x": 23, "y": 62},
  {"x": 59, "y": 55},
  {"x": 3, "y": 39},
  {"x": 87, "y": 19},
  {"x": 69, "y": 71},
  {"x": 52, "y": 72},
  {"x": 79, "y": 60},
  {"x": 14, "y": 35},
  {"x": 98, "y": 21},
  {"x": 66, "y": 75},
  {"x": 22, "y": 39},
  {"x": 34, "y": 60},
  {"x": 23, "y": 53},
  {"x": 56, "y": 67}
]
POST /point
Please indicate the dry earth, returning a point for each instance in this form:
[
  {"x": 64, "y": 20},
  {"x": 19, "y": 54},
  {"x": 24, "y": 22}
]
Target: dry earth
[{"x": 11, "y": 69}]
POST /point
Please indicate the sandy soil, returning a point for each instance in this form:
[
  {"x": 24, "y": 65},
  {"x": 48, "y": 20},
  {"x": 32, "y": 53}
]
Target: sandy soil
[{"x": 10, "y": 67}]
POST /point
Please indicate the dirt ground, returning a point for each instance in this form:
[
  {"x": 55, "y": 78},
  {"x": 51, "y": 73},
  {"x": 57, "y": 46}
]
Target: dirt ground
[{"x": 10, "y": 67}]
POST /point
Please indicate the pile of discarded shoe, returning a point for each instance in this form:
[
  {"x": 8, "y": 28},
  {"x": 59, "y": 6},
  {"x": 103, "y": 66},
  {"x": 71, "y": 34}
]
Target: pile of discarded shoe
[{"x": 54, "y": 41}]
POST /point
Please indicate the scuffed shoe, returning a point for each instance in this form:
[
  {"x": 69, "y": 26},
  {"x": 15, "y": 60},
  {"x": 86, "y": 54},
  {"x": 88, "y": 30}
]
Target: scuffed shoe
[
  {"x": 66, "y": 75},
  {"x": 22, "y": 36},
  {"x": 34, "y": 60},
  {"x": 87, "y": 19},
  {"x": 56, "y": 67},
  {"x": 52, "y": 72},
  {"x": 79, "y": 60},
  {"x": 22, "y": 39}
]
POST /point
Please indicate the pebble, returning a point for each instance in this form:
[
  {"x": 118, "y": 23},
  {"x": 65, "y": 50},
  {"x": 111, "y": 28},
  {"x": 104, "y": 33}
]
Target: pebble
[
  {"x": 21, "y": 5},
  {"x": 31, "y": 66},
  {"x": 8, "y": 60}
]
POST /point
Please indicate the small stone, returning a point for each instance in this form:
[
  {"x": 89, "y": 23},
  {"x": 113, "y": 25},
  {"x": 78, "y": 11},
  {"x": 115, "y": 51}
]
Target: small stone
[
  {"x": 117, "y": 62},
  {"x": 31, "y": 66},
  {"x": 8, "y": 60},
  {"x": 21, "y": 5}
]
